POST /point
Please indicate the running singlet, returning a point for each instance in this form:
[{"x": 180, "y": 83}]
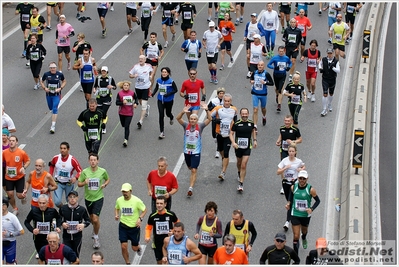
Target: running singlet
[
  {"x": 301, "y": 201},
  {"x": 86, "y": 73},
  {"x": 192, "y": 140},
  {"x": 177, "y": 251}
]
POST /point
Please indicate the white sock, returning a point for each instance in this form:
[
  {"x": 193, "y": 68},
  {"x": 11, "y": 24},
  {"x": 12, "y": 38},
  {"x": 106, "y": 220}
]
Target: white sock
[
  {"x": 324, "y": 101},
  {"x": 330, "y": 98},
  {"x": 95, "y": 236},
  {"x": 53, "y": 123}
]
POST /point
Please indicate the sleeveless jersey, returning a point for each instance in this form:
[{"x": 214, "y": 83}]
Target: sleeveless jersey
[
  {"x": 338, "y": 33},
  {"x": 256, "y": 53},
  {"x": 205, "y": 238},
  {"x": 177, "y": 251},
  {"x": 34, "y": 23},
  {"x": 242, "y": 236},
  {"x": 63, "y": 170},
  {"x": 192, "y": 140},
  {"x": 312, "y": 61},
  {"x": 301, "y": 201},
  {"x": 86, "y": 73},
  {"x": 56, "y": 258},
  {"x": 37, "y": 183}
]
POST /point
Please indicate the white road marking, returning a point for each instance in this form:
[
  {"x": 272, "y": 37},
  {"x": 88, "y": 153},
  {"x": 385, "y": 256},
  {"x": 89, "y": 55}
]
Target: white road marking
[
  {"x": 22, "y": 146},
  {"x": 137, "y": 258},
  {"x": 236, "y": 55},
  {"x": 115, "y": 47}
]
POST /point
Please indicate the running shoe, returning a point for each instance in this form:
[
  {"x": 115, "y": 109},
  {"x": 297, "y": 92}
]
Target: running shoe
[
  {"x": 209, "y": 19},
  {"x": 37, "y": 255},
  {"x": 81, "y": 89},
  {"x": 139, "y": 252},
  {"x": 290, "y": 78},
  {"x": 323, "y": 113},
  {"x": 78, "y": 15},
  {"x": 329, "y": 107},
  {"x": 240, "y": 188},
  {"x": 112, "y": 8},
  {"x": 96, "y": 244},
  {"x": 309, "y": 95},
  {"x": 35, "y": 87},
  {"x": 281, "y": 191},
  {"x": 147, "y": 111},
  {"x": 190, "y": 192},
  {"x": 231, "y": 60},
  {"x": 129, "y": 31},
  {"x": 238, "y": 178},
  {"x": 125, "y": 143},
  {"x": 271, "y": 53},
  {"x": 304, "y": 243},
  {"x": 49, "y": 27},
  {"x": 215, "y": 80},
  {"x": 52, "y": 131},
  {"x": 104, "y": 131},
  {"x": 171, "y": 121},
  {"x": 177, "y": 22},
  {"x": 237, "y": 21},
  {"x": 15, "y": 211},
  {"x": 286, "y": 226},
  {"x": 161, "y": 136},
  {"x": 217, "y": 154},
  {"x": 139, "y": 124},
  {"x": 138, "y": 21},
  {"x": 211, "y": 79},
  {"x": 216, "y": 14},
  {"x": 263, "y": 121},
  {"x": 166, "y": 44},
  {"x": 278, "y": 107},
  {"x": 69, "y": 65},
  {"x": 221, "y": 176},
  {"x": 104, "y": 32},
  {"x": 249, "y": 74},
  {"x": 27, "y": 64},
  {"x": 173, "y": 37},
  {"x": 313, "y": 99},
  {"x": 241, "y": 20},
  {"x": 268, "y": 55},
  {"x": 24, "y": 53},
  {"x": 330, "y": 40},
  {"x": 282, "y": 30},
  {"x": 346, "y": 41},
  {"x": 221, "y": 67},
  {"x": 320, "y": 12}
]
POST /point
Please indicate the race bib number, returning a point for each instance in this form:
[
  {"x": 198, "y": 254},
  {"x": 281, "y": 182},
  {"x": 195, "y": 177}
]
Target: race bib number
[
  {"x": 175, "y": 256},
  {"x": 338, "y": 37},
  {"x": 166, "y": 13},
  {"x": 93, "y": 134},
  {"x": 34, "y": 56},
  {"x": 350, "y": 9},
  {"x": 192, "y": 98},
  {"x": 72, "y": 227},
  {"x": 292, "y": 38},
  {"x": 206, "y": 238},
  {"x": 146, "y": 13},
  {"x": 44, "y": 227},
  {"x": 103, "y": 91},
  {"x": 162, "y": 228},
  {"x": 312, "y": 63},
  {"x": 284, "y": 145},
  {"x": 301, "y": 205},
  {"x": 192, "y": 56},
  {"x": 94, "y": 183},
  {"x": 187, "y": 15},
  {"x": 160, "y": 190},
  {"x": 295, "y": 99},
  {"x": 255, "y": 57},
  {"x": 87, "y": 75},
  {"x": 241, "y": 246},
  {"x": 258, "y": 85},
  {"x": 210, "y": 54},
  {"x": 190, "y": 146},
  {"x": 25, "y": 17},
  {"x": 62, "y": 41},
  {"x": 129, "y": 99},
  {"x": 224, "y": 129},
  {"x": 34, "y": 30},
  {"x": 140, "y": 81},
  {"x": 52, "y": 87},
  {"x": 35, "y": 194},
  {"x": 162, "y": 89},
  {"x": 289, "y": 175},
  {"x": 242, "y": 143},
  {"x": 269, "y": 24},
  {"x": 301, "y": 27},
  {"x": 281, "y": 65},
  {"x": 53, "y": 262},
  {"x": 127, "y": 211},
  {"x": 331, "y": 12},
  {"x": 11, "y": 172}
]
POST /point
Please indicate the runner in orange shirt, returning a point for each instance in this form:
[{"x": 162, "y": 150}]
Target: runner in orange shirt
[
  {"x": 303, "y": 23},
  {"x": 226, "y": 27},
  {"x": 229, "y": 253},
  {"x": 42, "y": 183},
  {"x": 16, "y": 160}
]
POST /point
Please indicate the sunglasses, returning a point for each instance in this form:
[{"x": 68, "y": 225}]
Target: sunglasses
[
  {"x": 280, "y": 241},
  {"x": 302, "y": 178}
]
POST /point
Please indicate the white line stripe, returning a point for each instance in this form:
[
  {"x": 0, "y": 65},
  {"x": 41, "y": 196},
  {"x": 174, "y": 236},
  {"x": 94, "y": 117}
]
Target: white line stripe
[
  {"x": 180, "y": 161},
  {"x": 137, "y": 258},
  {"x": 236, "y": 55},
  {"x": 115, "y": 46},
  {"x": 22, "y": 146}
]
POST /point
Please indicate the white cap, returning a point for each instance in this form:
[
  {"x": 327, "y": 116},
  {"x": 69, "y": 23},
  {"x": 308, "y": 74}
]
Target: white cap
[
  {"x": 256, "y": 36},
  {"x": 211, "y": 24},
  {"x": 62, "y": 16},
  {"x": 104, "y": 68},
  {"x": 254, "y": 15},
  {"x": 52, "y": 65},
  {"x": 303, "y": 174}
]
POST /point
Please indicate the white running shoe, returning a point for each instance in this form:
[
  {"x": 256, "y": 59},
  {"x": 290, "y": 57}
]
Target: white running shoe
[
  {"x": 240, "y": 188},
  {"x": 217, "y": 155},
  {"x": 96, "y": 244},
  {"x": 166, "y": 44},
  {"x": 281, "y": 191},
  {"x": 309, "y": 95},
  {"x": 286, "y": 226},
  {"x": 249, "y": 74},
  {"x": 52, "y": 129},
  {"x": 35, "y": 87},
  {"x": 104, "y": 131},
  {"x": 313, "y": 99},
  {"x": 323, "y": 113},
  {"x": 330, "y": 108},
  {"x": 221, "y": 176},
  {"x": 161, "y": 136}
]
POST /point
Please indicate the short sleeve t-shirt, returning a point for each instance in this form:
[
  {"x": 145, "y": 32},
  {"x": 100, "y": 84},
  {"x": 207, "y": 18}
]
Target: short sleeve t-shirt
[
  {"x": 130, "y": 210},
  {"x": 93, "y": 190}
]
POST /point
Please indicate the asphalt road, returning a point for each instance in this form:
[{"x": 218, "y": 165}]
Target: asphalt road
[{"x": 260, "y": 202}]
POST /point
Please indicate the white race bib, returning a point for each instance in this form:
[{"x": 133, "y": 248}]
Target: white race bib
[{"x": 94, "y": 183}]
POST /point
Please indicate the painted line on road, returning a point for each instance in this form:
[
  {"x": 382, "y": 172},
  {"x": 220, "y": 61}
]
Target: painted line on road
[
  {"x": 115, "y": 47},
  {"x": 22, "y": 146},
  {"x": 137, "y": 258},
  {"x": 240, "y": 47},
  {"x": 180, "y": 161}
]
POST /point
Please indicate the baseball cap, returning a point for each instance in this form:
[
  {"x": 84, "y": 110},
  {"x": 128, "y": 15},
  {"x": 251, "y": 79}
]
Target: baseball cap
[
  {"x": 256, "y": 36},
  {"x": 74, "y": 193},
  {"x": 254, "y": 15},
  {"x": 62, "y": 16},
  {"x": 104, "y": 68},
  {"x": 221, "y": 89},
  {"x": 5, "y": 201},
  {"x": 280, "y": 236},
  {"x": 6, "y": 131},
  {"x": 321, "y": 242},
  {"x": 126, "y": 187},
  {"x": 303, "y": 174},
  {"x": 211, "y": 24},
  {"x": 329, "y": 50}
]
